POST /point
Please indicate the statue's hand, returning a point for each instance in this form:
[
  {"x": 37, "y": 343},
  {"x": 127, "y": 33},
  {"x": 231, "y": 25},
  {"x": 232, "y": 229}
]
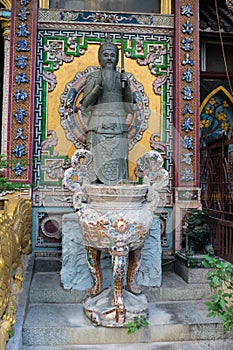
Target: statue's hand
[
  {"x": 99, "y": 81},
  {"x": 79, "y": 108},
  {"x": 124, "y": 79}
]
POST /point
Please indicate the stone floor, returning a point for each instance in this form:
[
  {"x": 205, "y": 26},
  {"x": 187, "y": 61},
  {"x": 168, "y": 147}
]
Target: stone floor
[{"x": 53, "y": 318}]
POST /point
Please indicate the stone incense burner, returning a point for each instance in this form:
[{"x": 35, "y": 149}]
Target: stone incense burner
[{"x": 115, "y": 219}]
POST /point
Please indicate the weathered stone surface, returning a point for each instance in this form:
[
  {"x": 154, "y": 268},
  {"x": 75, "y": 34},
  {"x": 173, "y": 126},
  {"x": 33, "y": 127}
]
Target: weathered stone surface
[
  {"x": 15, "y": 343},
  {"x": 178, "y": 325},
  {"x": 46, "y": 288},
  {"x": 59, "y": 324},
  {"x": 75, "y": 273},
  {"x": 191, "y": 274},
  {"x": 181, "y": 345},
  {"x": 150, "y": 272},
  {"x": 102, "y": 311}
]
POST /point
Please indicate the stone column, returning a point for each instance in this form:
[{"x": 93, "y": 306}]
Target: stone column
[{"x": 186, "y": 112}]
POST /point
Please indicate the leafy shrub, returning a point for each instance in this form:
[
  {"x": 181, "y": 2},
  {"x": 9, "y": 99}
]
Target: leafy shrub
[
  {"x": 221, "y": 283},
  {"x": 134, "y": 325}
]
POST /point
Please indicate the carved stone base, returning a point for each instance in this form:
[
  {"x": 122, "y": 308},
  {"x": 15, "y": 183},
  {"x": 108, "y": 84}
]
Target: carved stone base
[
  {"x": 102, "y": 312},
  {"x": 191, "y": 268}
]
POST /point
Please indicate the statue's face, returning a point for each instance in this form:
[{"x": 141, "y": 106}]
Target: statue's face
[{"x": 108, "y": 58}]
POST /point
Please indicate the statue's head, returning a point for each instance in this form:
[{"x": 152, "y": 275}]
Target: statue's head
[{"x": 108, "y": 47}]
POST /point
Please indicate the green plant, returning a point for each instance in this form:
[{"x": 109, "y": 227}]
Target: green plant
[
  {"x": 138, "y": 321},
  {"x": 220, "y": 279},
  {"x": 10, "y": 333},
  {"x": 5, "y": 185},
  {"x": 3, "y": 161},
  {"x": 11, "y": 186}
]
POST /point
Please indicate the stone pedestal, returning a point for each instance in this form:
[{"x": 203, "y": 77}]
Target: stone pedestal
[
  {"x": 102, "y": 311},
  {"x": 190, "y": 268}
]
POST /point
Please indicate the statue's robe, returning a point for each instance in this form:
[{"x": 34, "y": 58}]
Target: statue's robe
[{"x": 106, "y": 107}]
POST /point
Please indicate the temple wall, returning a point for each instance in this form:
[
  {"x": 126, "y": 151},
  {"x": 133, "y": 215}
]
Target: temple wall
[
  {"x": 64, "y": 44},
  {"x": 67, "y": 44}
]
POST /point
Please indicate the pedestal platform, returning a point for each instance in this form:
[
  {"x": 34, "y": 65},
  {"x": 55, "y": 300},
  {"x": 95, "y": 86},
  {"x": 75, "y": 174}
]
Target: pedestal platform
[
  {"x": 191, "y": 268},
  {"x": 102, "y": 311}
]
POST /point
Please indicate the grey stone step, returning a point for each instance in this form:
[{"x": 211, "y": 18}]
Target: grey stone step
[
  {"x": 46, "y": 288},
  {"x": 47, "y": 264},
  {"x": 65, "y": 324},
  {"x": 186, "y": 345}
]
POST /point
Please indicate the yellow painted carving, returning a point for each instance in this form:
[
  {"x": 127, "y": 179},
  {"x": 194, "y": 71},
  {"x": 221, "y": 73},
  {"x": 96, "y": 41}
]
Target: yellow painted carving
[
  {"x": 5, "y": 327},
  {"x": 5, "y": 25},
  {"x": 15, "y": 238},
  {"x": 166, "y": 7},
  {"x": 44, "y": 4},
  {"x": 6, "y": 3}
]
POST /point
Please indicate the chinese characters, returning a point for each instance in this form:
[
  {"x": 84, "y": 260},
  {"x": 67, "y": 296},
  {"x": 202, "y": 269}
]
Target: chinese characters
[
  {"x": 22, "y": 96},
  {"x": 187, "y": 91}
]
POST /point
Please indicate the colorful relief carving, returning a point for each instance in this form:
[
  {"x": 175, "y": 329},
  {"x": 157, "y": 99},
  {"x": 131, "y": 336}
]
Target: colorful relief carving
[
  {"x": 75, "y": 123},
  {"x": 61, "y": 48},
  {"x": 15, "y": 237},
  {"x": 52, "y": 163},
  {"x": 64, "y": 49},
  {"x": 103, "y": 17},
  {"x": 75, "y": 44}
]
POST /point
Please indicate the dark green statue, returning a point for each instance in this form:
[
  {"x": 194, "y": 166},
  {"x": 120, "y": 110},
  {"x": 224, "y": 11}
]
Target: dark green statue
[
  {"x": 107, "y": 100},
  {"x": 196, "y": 232}
]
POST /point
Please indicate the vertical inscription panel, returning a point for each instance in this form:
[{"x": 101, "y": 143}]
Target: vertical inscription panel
[
  {"x": 21, "y": 90},
  {"x": 187, "y": 92}
]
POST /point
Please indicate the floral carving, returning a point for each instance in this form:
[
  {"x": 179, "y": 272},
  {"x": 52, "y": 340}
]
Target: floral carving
[
  {"x": 216, "y": 118},
  {"x": 158, "y": 83},
  {"x": 51, "y": 80},
  {"x": 154, "y": 59},
  {"x": 121, "y": 225}
]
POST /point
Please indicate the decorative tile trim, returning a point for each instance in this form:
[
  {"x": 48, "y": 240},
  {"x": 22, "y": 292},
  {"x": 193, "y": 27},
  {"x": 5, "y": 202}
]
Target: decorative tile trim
[
  {"x": 45, "y": 80},
  {"x": 166, "y": 218},
  {"x": 111, "y": 18},
  {"x": 47, "y": 228},
  {"x": 187, "y": 194}
]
